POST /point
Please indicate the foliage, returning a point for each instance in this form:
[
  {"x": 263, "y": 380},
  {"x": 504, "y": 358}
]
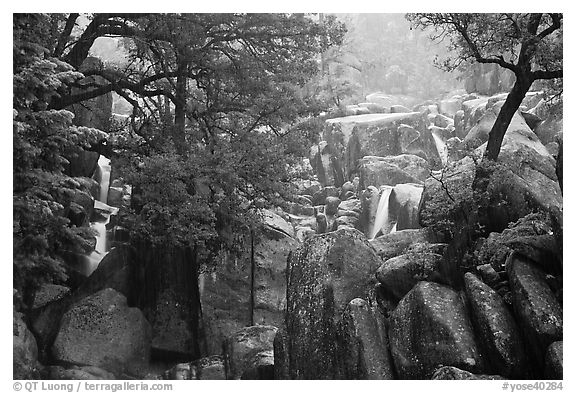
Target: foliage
[
  {"x": 496, "y": 38},
  {"x": 42, "y": 138},
  {"x": 221, "y": 115}
]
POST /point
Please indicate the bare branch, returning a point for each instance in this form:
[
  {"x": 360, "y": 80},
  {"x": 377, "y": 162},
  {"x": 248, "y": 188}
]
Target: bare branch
[
  {"x": 541, "y": 74},
  {"x": 65, "y": 35}
]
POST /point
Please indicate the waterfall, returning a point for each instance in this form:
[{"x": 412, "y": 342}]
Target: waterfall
[
  {"x": 101, "y": 249},
  {"x": 441, "y": 147},
  {"x": 381, "y": 221},
  {"x": 105, "y": 169}
]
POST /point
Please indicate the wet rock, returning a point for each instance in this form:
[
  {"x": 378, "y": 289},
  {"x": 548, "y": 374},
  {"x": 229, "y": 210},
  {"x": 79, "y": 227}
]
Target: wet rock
[
  {"x": 396, "y": 243},
  {"x": 404, "y": 205},
  {"x": 378, "y": 171},
  {"x": 84, "y": 164},
  {"x": 365, "y": 353},
  {"x": 455, "y": 374},
  {"x": 531, "y": 236},
  {"x": 24, "y": 350},
  {"x": 249, "y": 352},
  {"x": 443, "y": 121},
  {"x": 331, "y": 206},
  {"x": 319, "y": 197},
  {"x": 48, "y": 293},
  {"x": 554, "y": 360},
  {"x": 381, "y": 135},
  {"x": 227, "y": 291},
  {"x": 207, "y": 368},
  {"x": 79, "y": 373},
  {"x": 276, "y": 222},
  {"x": 103, "y": 331},
  {"x": 311, "y": 188},
  {"x": 326, "y": 160},
  {"x": 479, "y": 133},
  {"x": 271, "y": 250},
  {"x": 430, "y": 328},
  {"x": 117, "y": 270},
  {"x": 398, "y": 275},
  {"x": 488, "y": 274},
  {"x": 345, "y": 189},
  {"x": 77, "y": 215},
  {"x": 524, "y": 182},
  {"x": 281, "y": 355},
  {"x": 497, "y": 331},
  {"x": 537, "y": 311},
  {"x": 548, "y": 130},
  {"x": 399, "y": 109},
  {"x": 450, "y": 106},
  {"x": 324, "y": 274}
]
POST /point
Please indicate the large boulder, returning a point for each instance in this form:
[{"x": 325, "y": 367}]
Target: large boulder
[
  {"x": 396, "y": 243},
  {"x": 379, "y": 171},
  {"x": 326, "y": 161},
  {"x": 246, "y": 289},
  {"x": 496, "y": 329},
  {"x": 430, "y": 328},
  {"x": 118, "y": 270},
  {"x": 555, "y": 360},
  {"x": 48, "y": 293},
  {"x": 365, "y": 352},
  {"x": 537, "y": 311},
  {"x": 24, "y": 350},
  {"x": 324, "y": 274},
  {"x": 168, "y": 296},
  {"x": 523, "y": 181},
  {"x": 450, "y": 373},
  {"x": 78, "y": 373},
  {"x": 404, "y": 205},
  {"x": 398, "y": 275},
  {"x": 478, "y": 134},
  {"x": 532, "y": 236},
  {"x": 271, "y": 250},
  {"x": 83, "y": 164},
  {"x": 450, "y": 106},
  {"x": 103, "y": 331},
  {"x": 388, "y": 135},
  {"x": 549, "y": 129},
  {"x": 249, "y": 353},
  {"x": 207, "y": 368}
]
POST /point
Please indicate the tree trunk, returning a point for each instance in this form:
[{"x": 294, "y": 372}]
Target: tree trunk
[
  {"x": 511, "y": 105},
  {"x": 496, "y": 137},
  {"x": 178, "y": 130}
]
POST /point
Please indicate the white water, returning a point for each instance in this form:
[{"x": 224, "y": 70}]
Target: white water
[
  {"x": 105, "y": 169},
  {"x": 101, "y": 248},
  {"x": 441, "y": 147},
  {"x": 382, "y": 218}
]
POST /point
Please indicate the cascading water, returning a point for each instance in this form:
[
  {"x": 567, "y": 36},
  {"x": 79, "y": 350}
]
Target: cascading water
[
  {"x": 441, "y": 147},
  {"x": 381, "y": 221},
  {"x": 101, "y": 248}
]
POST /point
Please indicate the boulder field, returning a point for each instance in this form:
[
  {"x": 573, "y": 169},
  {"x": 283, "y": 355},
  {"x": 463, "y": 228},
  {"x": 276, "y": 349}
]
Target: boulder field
[{"x": 346, "y": 281}]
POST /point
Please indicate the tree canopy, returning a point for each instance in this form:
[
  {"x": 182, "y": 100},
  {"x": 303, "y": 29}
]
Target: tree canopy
[
  {"x": 219, "y": 115},
  {"x": 529, "y": 45}
]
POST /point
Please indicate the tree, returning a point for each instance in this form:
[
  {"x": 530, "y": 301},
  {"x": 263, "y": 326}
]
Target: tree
[
  {"x": 529, "y": 45},
  {"x": 214, "y": 99},
  {"x": 42, "y": 139}
]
